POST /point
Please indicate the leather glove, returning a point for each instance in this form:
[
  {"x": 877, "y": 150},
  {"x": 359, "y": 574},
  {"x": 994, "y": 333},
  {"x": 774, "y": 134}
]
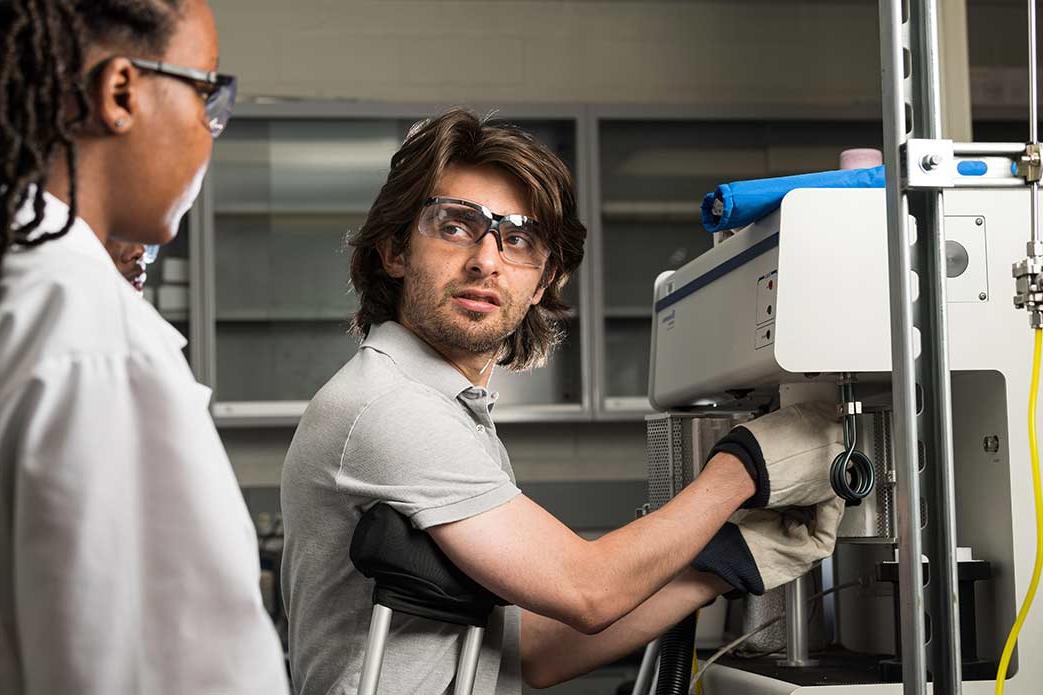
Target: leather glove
[
  {"x": 788, "y": 454},
  {"x": 761, "y": 549}
]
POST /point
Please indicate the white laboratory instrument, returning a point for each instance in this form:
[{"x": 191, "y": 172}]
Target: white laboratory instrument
[{"x": 802, "y": 298}]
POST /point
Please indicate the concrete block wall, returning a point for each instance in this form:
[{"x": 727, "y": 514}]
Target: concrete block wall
[
  {"x": 719, "y": 51},
  {"x": 785, "y": 52}
]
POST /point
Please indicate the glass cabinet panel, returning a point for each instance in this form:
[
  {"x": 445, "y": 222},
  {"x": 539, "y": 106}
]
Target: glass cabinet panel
[
  {"x": 167, "y": 285},
  {"x": 653, "y": 177},
  {"x": 285, "y": 192}
]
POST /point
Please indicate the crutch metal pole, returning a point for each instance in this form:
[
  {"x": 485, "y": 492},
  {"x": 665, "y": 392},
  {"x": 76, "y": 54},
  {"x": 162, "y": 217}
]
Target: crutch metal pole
[
  {"x": 646, "y": 673},
  {"x": 379, "y": 625},
  {"x": 467, "y": 666}
]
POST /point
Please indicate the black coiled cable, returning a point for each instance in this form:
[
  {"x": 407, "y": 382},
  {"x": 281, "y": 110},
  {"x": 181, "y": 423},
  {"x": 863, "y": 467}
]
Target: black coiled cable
[
  {"x": 852, "y": 474},
  {"x": 854, "y": 478}
]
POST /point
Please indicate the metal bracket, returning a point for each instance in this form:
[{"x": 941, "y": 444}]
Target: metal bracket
[
  {"x": 934, "y": 164},
  {"x": 928, "y": 163}
]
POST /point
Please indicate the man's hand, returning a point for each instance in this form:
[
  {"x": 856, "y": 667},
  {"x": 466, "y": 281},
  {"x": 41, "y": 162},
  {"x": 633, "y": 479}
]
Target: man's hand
[
  {"x": 788, "y": 454},
  {"x": 761, "y": 549}
]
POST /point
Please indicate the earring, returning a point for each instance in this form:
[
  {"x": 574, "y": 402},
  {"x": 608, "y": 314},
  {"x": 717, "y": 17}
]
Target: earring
[{"x": 118, "y": 123}]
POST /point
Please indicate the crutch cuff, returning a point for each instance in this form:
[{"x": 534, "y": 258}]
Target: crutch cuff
[{"x": 412, "y": 574}]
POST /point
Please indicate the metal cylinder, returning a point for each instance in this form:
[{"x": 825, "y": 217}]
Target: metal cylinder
[
  {"x": 467, "y": 665},
  {"x": 645, "y": 674},
  {"x": 797, "y": 624},
  {"x": 1033, "y": 115},
  {"x": 379, "y": 625},
  {"x": 1033, "y": 96}
]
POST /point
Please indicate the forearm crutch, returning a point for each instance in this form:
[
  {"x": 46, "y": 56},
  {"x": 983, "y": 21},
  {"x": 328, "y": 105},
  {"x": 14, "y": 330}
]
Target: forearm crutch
[{"x": 412, "y": 575}]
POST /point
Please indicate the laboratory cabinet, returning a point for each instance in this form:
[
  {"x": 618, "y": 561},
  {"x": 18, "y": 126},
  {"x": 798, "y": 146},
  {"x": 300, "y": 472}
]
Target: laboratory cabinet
[
  {"x": 169, "y": 285},
  {"x": 285, "y": 194},
  {"x": 270, "y": 302}
]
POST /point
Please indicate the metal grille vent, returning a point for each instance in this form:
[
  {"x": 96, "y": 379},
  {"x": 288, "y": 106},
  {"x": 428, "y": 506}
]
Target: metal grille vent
[
  {"x": 659, "y": 458},
  {"x": 677, "y": 446},
  {"x": 670, "y": 465},
  {"x": 884, "y": 474}
]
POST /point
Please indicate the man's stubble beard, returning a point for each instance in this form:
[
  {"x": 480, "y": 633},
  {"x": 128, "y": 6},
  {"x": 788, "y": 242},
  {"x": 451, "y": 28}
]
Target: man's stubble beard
[{"x": 432, "y": 314}]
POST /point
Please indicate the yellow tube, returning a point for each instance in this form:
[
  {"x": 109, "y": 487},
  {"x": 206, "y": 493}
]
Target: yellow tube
[{"x": 1037, "y": 493}]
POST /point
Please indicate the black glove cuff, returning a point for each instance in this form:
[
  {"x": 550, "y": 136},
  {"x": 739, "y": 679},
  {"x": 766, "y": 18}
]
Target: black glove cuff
[
  {"x": 728, "y": 556},
  {"x": 741, "y": 444}
]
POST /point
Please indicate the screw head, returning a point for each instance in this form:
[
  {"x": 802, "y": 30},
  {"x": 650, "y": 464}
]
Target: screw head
[
  {"x": 982, "y": 296},
  {"x": 979, "y": 221},
  {"x": 930, "y": 161}
]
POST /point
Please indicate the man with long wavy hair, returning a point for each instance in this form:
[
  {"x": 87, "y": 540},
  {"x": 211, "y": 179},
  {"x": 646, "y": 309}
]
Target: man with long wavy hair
[{"x": 460, "y": 265}]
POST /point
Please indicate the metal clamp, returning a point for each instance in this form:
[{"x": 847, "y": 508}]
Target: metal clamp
[
  {"x": 1030, "y": 165},
  {"x": 1028, "y": 284}
]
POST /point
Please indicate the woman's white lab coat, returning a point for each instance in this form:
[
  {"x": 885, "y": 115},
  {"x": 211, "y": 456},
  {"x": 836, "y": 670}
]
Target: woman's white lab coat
[{"x": 128, "y": 563}]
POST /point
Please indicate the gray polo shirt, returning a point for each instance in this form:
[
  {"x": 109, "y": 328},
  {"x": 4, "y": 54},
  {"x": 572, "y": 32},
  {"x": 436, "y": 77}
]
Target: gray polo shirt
[{"x": 401, "y": 425}]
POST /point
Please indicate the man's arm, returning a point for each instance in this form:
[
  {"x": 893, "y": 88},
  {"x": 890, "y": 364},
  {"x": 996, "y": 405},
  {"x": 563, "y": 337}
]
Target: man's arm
[
  {"x": 523, "y": 554},
  {"x": 553, "y": 652}
]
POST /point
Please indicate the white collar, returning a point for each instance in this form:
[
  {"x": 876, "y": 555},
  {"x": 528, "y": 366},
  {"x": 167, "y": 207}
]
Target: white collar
[{"x": 80, "y": 237}]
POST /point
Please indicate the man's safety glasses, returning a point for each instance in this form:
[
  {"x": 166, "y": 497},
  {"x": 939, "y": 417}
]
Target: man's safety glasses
[
  {"x": 217, "y": 89},
  {"x": 463, "y": 223}
]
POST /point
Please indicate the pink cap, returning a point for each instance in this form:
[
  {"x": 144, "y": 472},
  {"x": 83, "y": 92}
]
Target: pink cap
[{"x": 861, "y": 158}]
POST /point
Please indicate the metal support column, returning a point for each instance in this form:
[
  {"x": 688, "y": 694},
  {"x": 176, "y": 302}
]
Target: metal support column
[
  {"x": 919, "y": 352},
  {"x": 797, "y": 624}
]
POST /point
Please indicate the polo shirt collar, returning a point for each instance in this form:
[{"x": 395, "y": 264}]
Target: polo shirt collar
[{"x": 416, "y": 358}]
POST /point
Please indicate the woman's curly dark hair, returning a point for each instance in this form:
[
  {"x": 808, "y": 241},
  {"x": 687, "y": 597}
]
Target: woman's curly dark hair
[
  {"x": 461, "y": 137},
  {"x": 43, "y": 96}
]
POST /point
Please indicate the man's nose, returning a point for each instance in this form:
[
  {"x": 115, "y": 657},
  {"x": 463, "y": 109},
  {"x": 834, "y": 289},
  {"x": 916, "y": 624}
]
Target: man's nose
[
  {"x": 485, "y": 256},
  {"x": 135, "y": 252}
]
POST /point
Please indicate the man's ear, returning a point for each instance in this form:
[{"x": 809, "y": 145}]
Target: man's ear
[
  {"x": 116, "y": 92},
  {"x": 550, "y": 276},
  {"x": 394, "y": 264}
]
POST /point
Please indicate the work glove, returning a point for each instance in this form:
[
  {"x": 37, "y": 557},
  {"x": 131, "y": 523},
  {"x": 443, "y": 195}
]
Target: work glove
[
  {"x": 760, "y": 549},
  {"x": 788, "y": 453}
]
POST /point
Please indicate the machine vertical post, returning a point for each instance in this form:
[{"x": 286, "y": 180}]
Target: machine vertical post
[
  {"x": 797, "y": 591},
  {"x": 797, "y": 624},
  {"x": 923, "y": 427},
  {"x": 1033, "y": 119}
]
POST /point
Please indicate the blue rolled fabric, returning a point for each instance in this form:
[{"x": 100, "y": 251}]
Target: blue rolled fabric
[{"x": 738, "y": 204}]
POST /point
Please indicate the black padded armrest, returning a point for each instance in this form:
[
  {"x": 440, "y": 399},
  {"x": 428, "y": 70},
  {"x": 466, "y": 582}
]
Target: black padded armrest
[{"x": 412, "y": 574}]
